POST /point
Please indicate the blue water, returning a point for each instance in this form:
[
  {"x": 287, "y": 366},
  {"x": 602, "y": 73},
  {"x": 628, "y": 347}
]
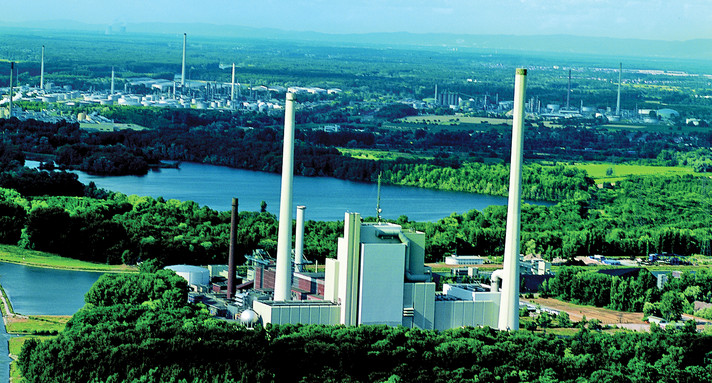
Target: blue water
[
  {"x": 4, "y": 352},
  {"x": 40, "y": 291},
  {"x": 326, "y": 199}
]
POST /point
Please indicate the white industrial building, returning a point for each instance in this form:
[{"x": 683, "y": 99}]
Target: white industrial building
[
  {"x": 464, "y": 260},
  {"x": 379, "y": 277}
]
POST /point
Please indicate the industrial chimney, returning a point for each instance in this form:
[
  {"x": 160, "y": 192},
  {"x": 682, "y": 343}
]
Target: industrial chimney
[
  {"x": 509, "y": 298},
  {"x": 232, "y": 89},
  {"x": 568, "y": 93},
  {"x": 283, "y": 274},
  {"x": 12, "y": 91},
  {"x": 618, "y": 101},
  {"x": 182, "y": 72},
  {"x": 42, "y": 70},
  {"x": 112, "y": 81},
  {"x": 231, "y": 255},
  {"x": 299, "y": 239}
]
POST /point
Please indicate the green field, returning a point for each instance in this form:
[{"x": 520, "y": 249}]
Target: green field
[
  {"x": 373, "y": 154},
  {"x": 36, "y": 323},
  {"x": 622, "y": 171},
  {"x": 15, "y": 254},
  {"x": 452, "y": 123}
]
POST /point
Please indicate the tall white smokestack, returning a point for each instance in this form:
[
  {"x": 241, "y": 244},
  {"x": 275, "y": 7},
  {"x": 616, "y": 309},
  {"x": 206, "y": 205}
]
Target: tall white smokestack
[
  {"x": 509, "y": 298},
  {"x": 42, "y": 70},
  {"x": 12, "y": 90},
  {"x": 568, "y": 92},
  {"x": 232, "y": 89},
  {"x": 618, "y": 101},
  {"x": 299, "y": 239},
  {"x": 112, "y": 81},
  {"x": 182, "y": 72},
  {"x": 283, "y": 274}
]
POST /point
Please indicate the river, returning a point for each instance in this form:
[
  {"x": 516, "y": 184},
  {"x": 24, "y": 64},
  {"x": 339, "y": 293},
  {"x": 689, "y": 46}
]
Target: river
[{"x": 326, "y": 199}]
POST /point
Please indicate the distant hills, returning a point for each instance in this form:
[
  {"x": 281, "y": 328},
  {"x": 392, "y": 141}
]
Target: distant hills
[{"x": 698, "y": 49}]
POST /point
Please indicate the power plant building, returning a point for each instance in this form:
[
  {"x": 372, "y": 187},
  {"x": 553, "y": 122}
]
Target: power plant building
[{"x": 379, "y": 277}]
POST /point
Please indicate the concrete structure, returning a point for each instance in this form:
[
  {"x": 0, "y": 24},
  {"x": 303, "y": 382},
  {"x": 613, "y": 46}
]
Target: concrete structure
[
  {"x": 182, "y": 72},
  {"x": 379, "y": 277},
  {"x": 232, "y": 88},
  {"x": 231, "y": 255},
  {"x": 299, "y": 239},
  {"x": 12, "y": 90},
  {"x": 618, "y": 100},
  {"x": 195, "y": 275},
  {"x": 464, "y": 260},
  {"x": 509, "y": 302},
  {"x": 284, "y": 238},
  {"x": 42, "y": 69}
]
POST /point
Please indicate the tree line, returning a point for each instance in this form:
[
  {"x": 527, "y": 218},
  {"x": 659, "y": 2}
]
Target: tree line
[{"x": 155, "y": 336}]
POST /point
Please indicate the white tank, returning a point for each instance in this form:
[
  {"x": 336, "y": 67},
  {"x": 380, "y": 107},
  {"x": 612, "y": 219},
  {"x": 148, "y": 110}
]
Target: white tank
[{"x": 195, "y": 275}]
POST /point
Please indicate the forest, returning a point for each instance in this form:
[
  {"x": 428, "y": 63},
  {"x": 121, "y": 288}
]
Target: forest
[
  {"x": 155, "y": 336},
  {"x": 636, "y": 293}
]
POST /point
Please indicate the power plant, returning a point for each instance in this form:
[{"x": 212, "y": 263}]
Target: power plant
[{"x": 378, "y": 275}]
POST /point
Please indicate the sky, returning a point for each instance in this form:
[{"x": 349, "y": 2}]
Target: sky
[{"x": 649, "y": 19}]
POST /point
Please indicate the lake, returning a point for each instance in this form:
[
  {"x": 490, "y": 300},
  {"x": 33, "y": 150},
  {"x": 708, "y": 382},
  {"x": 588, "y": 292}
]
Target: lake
[{"x": 326, "y": 199}]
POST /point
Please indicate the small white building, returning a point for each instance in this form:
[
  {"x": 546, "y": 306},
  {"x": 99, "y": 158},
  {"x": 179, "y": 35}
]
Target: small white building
[{"x": 464, "y": 260}]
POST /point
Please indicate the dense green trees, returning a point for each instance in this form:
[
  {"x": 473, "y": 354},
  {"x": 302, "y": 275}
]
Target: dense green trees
[
  {"x": 150, "y": 343},
  {"x": 587, "y": 287}
]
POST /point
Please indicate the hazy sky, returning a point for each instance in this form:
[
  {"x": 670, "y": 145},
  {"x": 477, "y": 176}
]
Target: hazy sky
[{"x": 647, "y": 19}]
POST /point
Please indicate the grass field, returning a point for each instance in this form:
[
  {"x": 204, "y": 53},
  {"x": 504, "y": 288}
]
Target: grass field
[
  {"x": 622, "y": 171},
  {"x": 451, "y": 123},
  {"x": 36, "y": 324},
  {"x": 14, "y": 254},
  {"x": 373, "y": 154}
]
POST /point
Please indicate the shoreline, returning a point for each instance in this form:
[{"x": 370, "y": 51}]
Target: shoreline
[{"x": 32, "y": 258}]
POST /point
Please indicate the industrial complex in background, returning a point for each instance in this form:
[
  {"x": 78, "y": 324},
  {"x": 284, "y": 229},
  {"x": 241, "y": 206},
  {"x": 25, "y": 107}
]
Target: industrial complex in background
[{"x": 184, "y": 92}]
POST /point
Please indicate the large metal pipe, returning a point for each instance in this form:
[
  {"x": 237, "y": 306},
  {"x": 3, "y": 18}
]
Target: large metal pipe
[
  {"x": 618, "y": 100},
  {"x": 231, "y": 255},
  {"x": 299, "y": 239},
  {"x": 182, "y": 72},
  {"x": 42, "y": 70},
  {"x": 283, "y": 274},
  {"x": 509, "y": 298}
]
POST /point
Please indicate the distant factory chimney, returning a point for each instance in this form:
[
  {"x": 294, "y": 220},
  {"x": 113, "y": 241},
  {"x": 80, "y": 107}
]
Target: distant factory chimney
[
  {"x": 112, "y": 81},
  {"x": 299, "y": 239},
  {"x": 232, "y": 89},
  {"x": 568, "y": 92},
  {"x": 509, "y": 299},
  {"x": 12, "y": 91},
  {"x": 618, "y": 101},
  {"x": 436, "y": 93},
  {"x": 231, "y": 255},
  {"x": 182, "y": 72},
  {"x": 42, "y": 70},
  {"x": 283, "y": 273}
]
